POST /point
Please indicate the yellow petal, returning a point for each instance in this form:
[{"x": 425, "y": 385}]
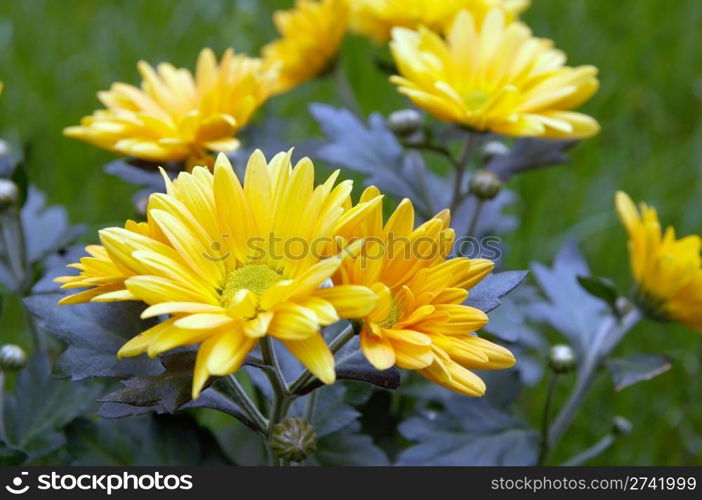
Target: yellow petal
[{"x": 314, "y": 353}]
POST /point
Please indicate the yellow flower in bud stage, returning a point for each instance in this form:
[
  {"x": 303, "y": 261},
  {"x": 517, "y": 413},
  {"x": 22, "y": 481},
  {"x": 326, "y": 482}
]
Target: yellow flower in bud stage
[
  {"x": 232, "y": 263},
  {"x": 494, "y": 76},
  {"x": 420, "y": 322},
  {"x": 310, "y": 37},
  {"x": 377, "y": 18},
  {"x": 175, "y": 116},
  {"x": 667, "y": 271}
]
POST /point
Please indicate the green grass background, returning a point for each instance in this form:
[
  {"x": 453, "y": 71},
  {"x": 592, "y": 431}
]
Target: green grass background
[{"x": 56, "y": 54}]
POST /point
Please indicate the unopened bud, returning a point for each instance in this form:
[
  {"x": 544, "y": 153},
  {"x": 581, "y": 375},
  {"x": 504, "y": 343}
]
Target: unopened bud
[
  {"x": 562, "y": 359},
  {"x": 8, "y": 193},
  {"x": 405, "y": 122},
  {"x": 485, "y": 185},
  {"x": 12, "y": 357},
  {"x": 293, "y": 439},
  {"x": 492, "y": 149},
  {"x": 621, "y": 426}
]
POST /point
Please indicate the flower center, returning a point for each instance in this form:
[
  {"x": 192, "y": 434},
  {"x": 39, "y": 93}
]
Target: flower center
[
  {"x": 475, "y": 100},
  {"x": 254, "y": 277},
  {"x": 392, "y": 318}
]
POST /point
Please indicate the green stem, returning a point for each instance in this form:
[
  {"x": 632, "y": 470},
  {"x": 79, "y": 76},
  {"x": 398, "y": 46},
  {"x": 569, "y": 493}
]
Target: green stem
[
  {"x": 420, "y": 171},
  {"x": 587, "y": 455},
  {"x": 433, "y": 148},
  {"x": 3, "y": 434},
  {"x": 475, "y": 216},
  {"x": 311, "y": 406},
  {"x": 348, "y": 96},
  {"x": 238, "y": 395},
  {"x": 545, "y": 423},
  {"x": 461, "y": 167},
  {"x": 606, "y": 339}
]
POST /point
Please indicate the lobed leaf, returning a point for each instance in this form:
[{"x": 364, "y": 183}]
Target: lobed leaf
[
  {"x": 636, "y": 368},
  {"x": 40, "y": 406},
  {"x": 470, "y": 432},
  {"x": 93, "y": 332},
  {"x": 487, "y": 294}
]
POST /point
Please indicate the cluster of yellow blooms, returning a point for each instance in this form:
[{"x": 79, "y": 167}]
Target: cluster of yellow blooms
[
  {"x": 464, "y": 61},
  {"x": 225, "y": 297},
  {"x": 470, "y": 62}
]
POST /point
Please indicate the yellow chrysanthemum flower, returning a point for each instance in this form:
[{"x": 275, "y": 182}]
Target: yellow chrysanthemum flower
[
  {"x": 494, "y": 76},
  {"x": 377, "y": 18},
  {"x": 420, "y": 322},
  {"x": 311, "y": 34},
  {"x": 232, "y": 263},
  {"x": 667, "y": 271},
  {"x": 175, "y": 116}
]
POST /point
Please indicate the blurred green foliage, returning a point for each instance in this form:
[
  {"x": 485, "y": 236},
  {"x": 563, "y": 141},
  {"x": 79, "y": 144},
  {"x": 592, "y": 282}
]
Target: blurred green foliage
[{"x": 55, "y": 55}]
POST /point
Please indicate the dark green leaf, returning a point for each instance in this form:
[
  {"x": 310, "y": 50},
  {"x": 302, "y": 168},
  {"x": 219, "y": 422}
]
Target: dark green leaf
[
  {"x": 371, "y": 149},
  {"x": 137, "y": 172},
  {"x": 528, "y": 154},
  {"x": 348, "y": 447},
  {"x": 94, "y": 333},
  {"x": 55, "y": 265},
  {"x": 486, "y": 295},
  {"x": 146, "y": 440},
  {"x": 602, "y": 289},
  {"x": 470, "y": 432},
  {"x": 40, "y": 407},
  {"x": 569, "y": 308},
  {"x": 636, "y": 368},
  {"x": 240, "y": 445},
  {"x": 46, "y": 229},
  {"x": 166, "y": 392}
]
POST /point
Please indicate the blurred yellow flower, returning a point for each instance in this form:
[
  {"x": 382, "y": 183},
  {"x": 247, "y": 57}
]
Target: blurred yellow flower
[
  {"x": 494, "y": 76},
  {"x": 311, "y": 34},
  {"x": 420, "y": 322},
  {"x": 175, "y": 116},
  {"x": 376, "y": 18},
  {"x": 667, "y": 271},
  {"x": 216, "y": 256}
]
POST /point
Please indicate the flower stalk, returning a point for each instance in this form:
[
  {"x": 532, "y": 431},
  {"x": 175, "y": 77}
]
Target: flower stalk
[{"x": 611, "y": 332}]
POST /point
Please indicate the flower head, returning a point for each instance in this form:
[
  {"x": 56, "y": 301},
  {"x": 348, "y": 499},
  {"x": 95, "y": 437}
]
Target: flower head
[
  {"x": 667, "y": 271},
  {"x": 494, "y": 76},
  {"x": 310, "y": 37},
  {"x": 377, "y": 18},
  {"x": 420, "y": 322},
  {"x": 232, "y": 263},
  {"x": 175, "y": 116}
]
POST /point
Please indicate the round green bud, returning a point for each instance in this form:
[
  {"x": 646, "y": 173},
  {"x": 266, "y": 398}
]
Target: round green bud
[
  {"x": 293, "y": 439},
  {"x": 485, "y": 185},
  {"x": 562, "y": 358},
  {"x": 491, "y": 149},
  {"x": 12, "y": 357},
  {"x": 9, "y": 193},
  {"x": 405, "y": 122},
  {"x": 621, "y": 426}
]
